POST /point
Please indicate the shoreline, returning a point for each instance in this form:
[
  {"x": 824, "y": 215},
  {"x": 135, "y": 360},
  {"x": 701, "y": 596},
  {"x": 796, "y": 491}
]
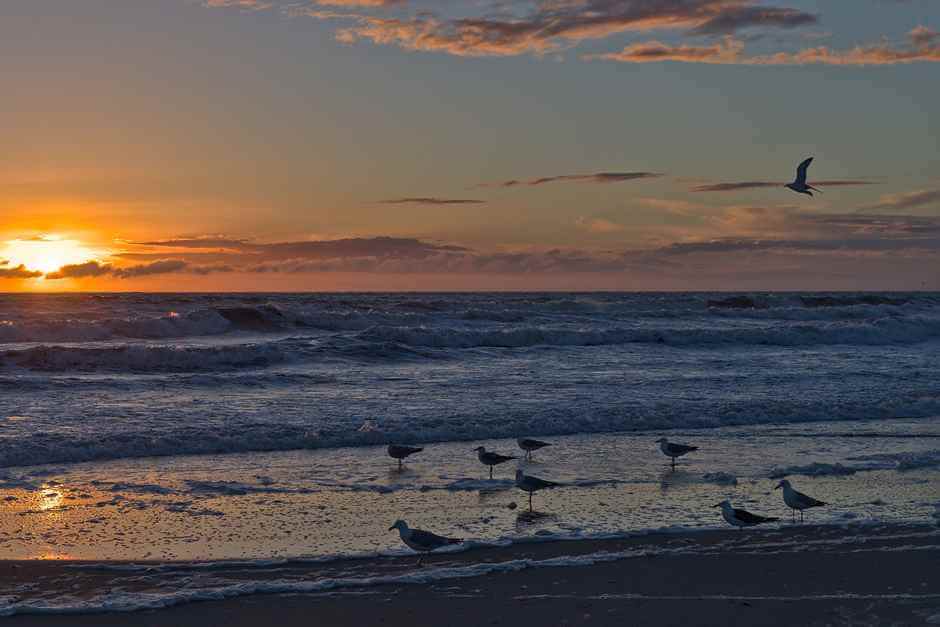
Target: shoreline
[{"x": 785, "y": 575}]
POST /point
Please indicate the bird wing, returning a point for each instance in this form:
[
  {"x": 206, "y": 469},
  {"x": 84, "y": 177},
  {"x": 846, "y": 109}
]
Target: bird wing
[
  {"x": 496, "y": 458},
  {"x": 806, "y": 500},
  {"x": 681, "y": 449},
  {"x": 537, "y": 483},
  {"x": 431, "y": 540},
  {"x": 801, "y": 171},
  {"x": 534, "y": 443},
  {"x": 745, "y": 516}
]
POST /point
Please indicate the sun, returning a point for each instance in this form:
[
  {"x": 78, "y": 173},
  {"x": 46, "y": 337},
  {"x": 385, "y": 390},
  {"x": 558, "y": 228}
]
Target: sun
[{"x": 46, "y": 253}]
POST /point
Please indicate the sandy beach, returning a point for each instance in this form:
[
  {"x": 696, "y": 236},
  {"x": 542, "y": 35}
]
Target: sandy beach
[{"x": 814, "y": 575}]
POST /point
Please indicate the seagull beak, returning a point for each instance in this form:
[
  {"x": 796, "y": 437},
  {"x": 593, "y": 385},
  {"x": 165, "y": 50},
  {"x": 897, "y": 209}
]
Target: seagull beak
[
  {"x": 717, "y": 505},
  {"x": 778, "y": 486},
  {"x": 391, "y": 528}
]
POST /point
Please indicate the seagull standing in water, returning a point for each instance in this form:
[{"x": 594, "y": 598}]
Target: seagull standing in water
[
  {"x": 489, "y": 458},
  {"x": 530, "y": 484},
  {"x": 674, "y": 450},
  {"x": 530, "y": 446},
  {"x": 741, "y": 518},
  {"x": 799, "y": 185},
  {"x": 421, "y": 541},
  {"x": 400, "y": 452},
  {"x": 796, "y": 500}
]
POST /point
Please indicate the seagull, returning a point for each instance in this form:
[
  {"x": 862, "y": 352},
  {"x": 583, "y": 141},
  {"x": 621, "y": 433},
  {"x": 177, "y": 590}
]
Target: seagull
[
  {"x": 530, "y": 446},
  {"x": 421, "y": 541},
  {"x": 796, "y": 500},
  {"x": 491, "y": 459},
  {"x": 674, "y": 450},
  {"x": 799, "y": 185},
  {"x": 400, "y": 452},
  {"x": 741, "y": 518},
  {"x": 530, "y": 484}
]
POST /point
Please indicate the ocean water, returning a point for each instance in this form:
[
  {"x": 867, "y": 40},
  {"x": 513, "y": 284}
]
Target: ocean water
[
  {"x": 195, "y": 428},
  {"x": 94, "y": 376}
]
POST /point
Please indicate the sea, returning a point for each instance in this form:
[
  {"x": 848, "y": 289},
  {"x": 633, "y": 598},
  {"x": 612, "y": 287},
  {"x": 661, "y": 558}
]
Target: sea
[{"x": 207, "y": 428}]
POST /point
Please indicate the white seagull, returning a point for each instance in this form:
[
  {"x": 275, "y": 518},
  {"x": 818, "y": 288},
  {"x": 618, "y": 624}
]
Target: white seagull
[
  {"x": 799, "y": 184},
  {"x": 530, "y": 446},
  {"x": 400, "y": 452},
  {"x": 741, "y": 518},
  {"x": 530, "y": 484},
  {"x": 673, "y": 449},
  {"x": 489, "y": 458},
  {"x": 796, "y": 500},
  {"x": 421, "y": 541}
]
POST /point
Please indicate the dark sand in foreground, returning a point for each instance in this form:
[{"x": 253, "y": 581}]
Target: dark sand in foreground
[{"x": 844, "y": 576}]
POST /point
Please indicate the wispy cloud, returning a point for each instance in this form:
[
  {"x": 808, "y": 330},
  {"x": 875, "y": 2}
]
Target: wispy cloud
[
  {"x": 921, "y": 46},
  {"x": 599, "y": 177},
  {"x": 431, "y": 200},
  {"x": 906, "y": 200}
]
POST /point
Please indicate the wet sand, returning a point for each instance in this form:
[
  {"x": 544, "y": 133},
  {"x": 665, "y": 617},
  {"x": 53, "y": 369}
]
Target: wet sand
[{"x": 808, "y": 575}]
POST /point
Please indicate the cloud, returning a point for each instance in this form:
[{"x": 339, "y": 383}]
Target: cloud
[
  {"x": 921, "y": 47},
  {"x": 599, "y": 225},
  {"x": 906, "y": 200},
  {"x": 734, "y": 187},
  {"x": 599, "y": 177},
  {"x": 430, "y": 200},
  {"x": 167, "y": 266},
  {"x": 559, "y": 24},
  {"x": 18, "y": 272},
  {"x": 81, "y": 271},
  {"x": 93, "y": 269}
]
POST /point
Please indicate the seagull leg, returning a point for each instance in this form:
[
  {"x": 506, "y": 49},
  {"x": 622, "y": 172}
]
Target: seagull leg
[
  {"x": 491, "y": 472},
  {"x": 530, "y": 501},
  {"x": 399, "y": 464},
  {"x": 420, "y": 563},
  {"x": 801, "y": 515}
]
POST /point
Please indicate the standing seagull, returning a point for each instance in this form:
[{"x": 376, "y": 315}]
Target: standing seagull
[
  {"x": 530, "y": 446},
  {"x": 400, "y": 452},
  {"x": 674, "y": 450},
  {"x": 530, "y": 484},
  {"x": 421, "y": 541},
  {"x": 796, "y": 500},
  {"x": 799, "y": 185},
  {"x": 741, "y": 518},
  {"x": 491, "y": 459}
]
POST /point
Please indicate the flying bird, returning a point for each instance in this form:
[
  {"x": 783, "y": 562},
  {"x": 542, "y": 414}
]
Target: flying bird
[
  {"x": 421, "y": 541},
  {"x": 741, "y": 518},
  {"x": 796, "y": 500},
  {"x": 674, "y": 450},
  {"x": 489, "y": 458},
  {"x": 799, "y": 185},
  {"x": 400, "y": 452},
  {"x": 530, "y": 484},
  {"x": 530, "y": 446}
]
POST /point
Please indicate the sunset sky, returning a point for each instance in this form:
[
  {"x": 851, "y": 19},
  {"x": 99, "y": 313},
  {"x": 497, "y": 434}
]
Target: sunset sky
[{"x": 506, "y": 144}]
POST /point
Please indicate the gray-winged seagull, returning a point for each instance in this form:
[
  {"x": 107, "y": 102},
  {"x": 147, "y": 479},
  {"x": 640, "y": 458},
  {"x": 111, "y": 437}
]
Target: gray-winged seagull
[
  {"x": 741, "y": 518},
  {"x": 400, "y": 452},
  {"x": 530, "y": 484},
  {"x": 421, "y": 541},
  {"x": 799, "y": 184},
  {"x": 796, "y": 500},
  {"x": 530, "y": 446},
  {"x": 489, "y": 458},
  {"x": 673, "y": 449}
]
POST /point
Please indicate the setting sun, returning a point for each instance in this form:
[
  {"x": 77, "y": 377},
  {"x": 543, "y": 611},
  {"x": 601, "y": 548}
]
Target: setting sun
[{"x": 45, "y": 254}]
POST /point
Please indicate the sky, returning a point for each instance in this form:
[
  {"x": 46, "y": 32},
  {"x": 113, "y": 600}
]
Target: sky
[{"x": 295, "y": 145}]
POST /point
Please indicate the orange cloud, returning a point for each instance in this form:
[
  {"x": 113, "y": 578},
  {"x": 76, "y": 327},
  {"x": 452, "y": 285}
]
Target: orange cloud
[{"x": 921, "y": 48}]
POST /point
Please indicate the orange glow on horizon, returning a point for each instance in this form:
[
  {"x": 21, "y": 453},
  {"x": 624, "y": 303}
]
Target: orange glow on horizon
[{"x": 46, "y": 253}]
